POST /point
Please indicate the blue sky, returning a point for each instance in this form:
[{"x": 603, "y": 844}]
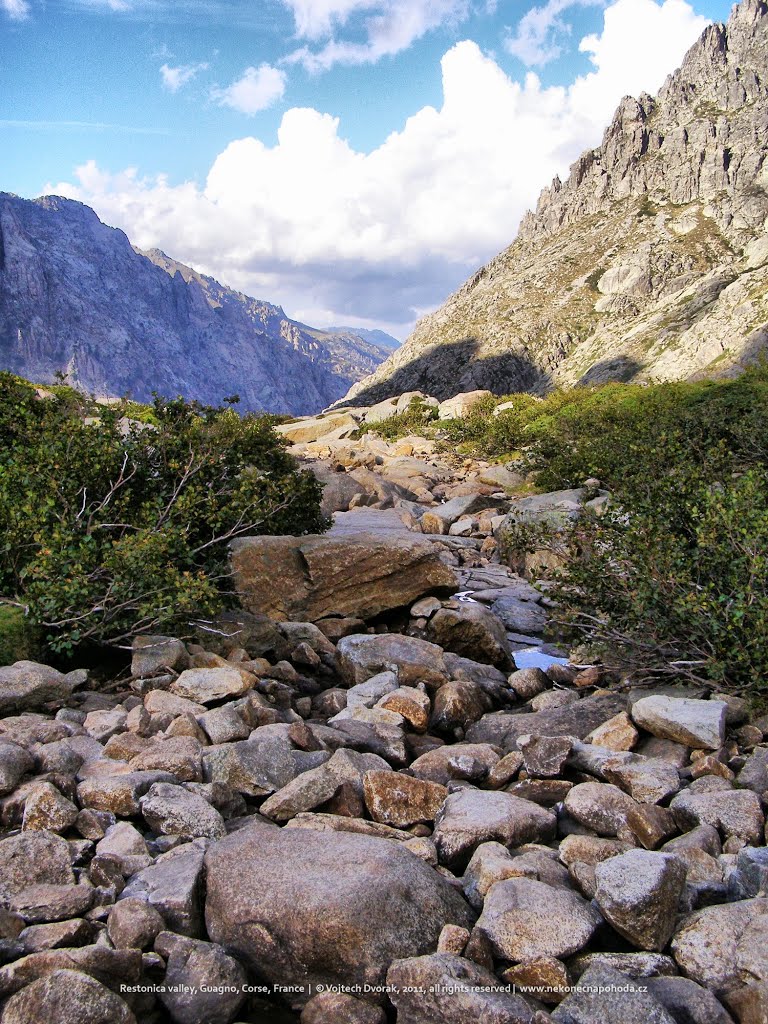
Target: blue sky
[{"x": 353, "y": 160}]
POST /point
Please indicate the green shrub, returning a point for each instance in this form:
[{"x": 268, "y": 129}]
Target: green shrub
[
  {"x": 412, "y": 421},
  {"x": 18, "y": 638},
  {"x": 109, "y": 530}
]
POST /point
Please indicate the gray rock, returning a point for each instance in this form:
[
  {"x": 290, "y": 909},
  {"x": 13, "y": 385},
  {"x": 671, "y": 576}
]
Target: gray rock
[
  {"x": 577, "y": 719},
  {"x": 750, "y": 877},
  {"x": 471, "y": 630},
  {"x": 735, "y": 812},
  {"x": 208, "y": 685},
  {"x": 364, "y": 902},
  {"x": 15, "y": 763},
  {"x": 447, "y": 989},
  {"x": 173, "y": 886},
  {"x": 688, "y": 1002},
  {"x": 133, "y": 924},
  {"x": 524, "y": 919},
  {"x": 361, "y": 656},
  {"x": 723, "y": 947},
  {"x": 67, "y": 997},
  {"x": 694, "y": 723},
  {"x": 192, "y": 967},
  {"x": 340, "y": 1008},
  {"x": 470, "y": 817},
  {"x": 173, "y": 810},
  {"x": 605, "y": 995},
  {"x": 638, "y": 893},
  {"x": 33, "y": 858},
  {"x": 28, "y": 686},
  {"x": 155, "y": 655},
  {"x": 470, "y": 762}
]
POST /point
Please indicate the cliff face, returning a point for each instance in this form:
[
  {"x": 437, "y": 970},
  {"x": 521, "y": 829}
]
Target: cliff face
[
  {"x": 649, "y": 262},
  {"x": 76, "y": 297}
]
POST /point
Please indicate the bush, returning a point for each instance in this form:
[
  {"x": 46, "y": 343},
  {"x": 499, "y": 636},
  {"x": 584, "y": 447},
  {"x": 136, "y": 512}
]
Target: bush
[
  {"x": 412, "y": 421},
  {"x": 112, "y": 527},
  {"x": 674, "y": 579}
]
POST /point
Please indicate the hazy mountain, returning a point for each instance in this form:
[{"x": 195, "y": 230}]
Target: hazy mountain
[
  {"x": 650, "y": 261},
  {"x": 77, "y": 298}
]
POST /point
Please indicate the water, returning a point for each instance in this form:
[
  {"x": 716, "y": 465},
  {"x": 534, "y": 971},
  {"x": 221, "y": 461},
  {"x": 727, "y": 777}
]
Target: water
[{"x": 535, "y": 657}]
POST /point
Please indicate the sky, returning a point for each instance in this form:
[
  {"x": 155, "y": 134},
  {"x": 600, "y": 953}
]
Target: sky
[{"x": 351, "y": 160}]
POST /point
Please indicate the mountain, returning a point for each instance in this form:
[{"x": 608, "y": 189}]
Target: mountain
[
  {"x": 77, "y": 298},
  {"x": 649, "y": 262},
  {"x": 380, "y": 339}
]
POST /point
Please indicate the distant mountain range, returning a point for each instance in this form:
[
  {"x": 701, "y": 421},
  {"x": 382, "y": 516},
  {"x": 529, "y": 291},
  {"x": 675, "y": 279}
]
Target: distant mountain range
[
  {"x": 77, "y": 298},
  {"x": 649, "y": 262}
]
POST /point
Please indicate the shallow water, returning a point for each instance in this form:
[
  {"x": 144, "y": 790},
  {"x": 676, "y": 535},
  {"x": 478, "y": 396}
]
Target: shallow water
[{"x": 535, "y": 657}]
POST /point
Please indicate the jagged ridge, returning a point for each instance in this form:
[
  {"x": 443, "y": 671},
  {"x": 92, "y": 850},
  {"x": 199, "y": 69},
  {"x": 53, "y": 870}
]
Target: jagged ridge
[
  {"x": 76, "y": 297},
  {"x": 648, "y": 262}
]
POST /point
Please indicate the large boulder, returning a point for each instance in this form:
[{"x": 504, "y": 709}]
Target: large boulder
[
  {"x": 307, "y": 908},
  {"x": 360, "y": 575},
  {"x": 461, "y": 405},
  {"x": 67, "y": 997},
  {"x": 27, "y": 686},
  {"x": 313, "y": 427},
  {"x": 362, "y": 656},
  {"x": 470, "y": 817},
  {"x": 694, "y": 723},
  {"x": 724, "y": 947},
  {"x": 577, "y": 719}
]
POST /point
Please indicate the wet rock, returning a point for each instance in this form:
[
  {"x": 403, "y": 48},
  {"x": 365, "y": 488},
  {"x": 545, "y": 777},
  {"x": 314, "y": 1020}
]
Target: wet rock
[
  {"x": 365, "y": 902},
  {"x": 67, "y": 997},
  {"x": 192, "y": 967},
  {"x": 693, "y": 723},
  {"x": 525, "y": 919},
  {"x": 400, "y": 800},
  {"x": 448, "y": 989},
  {"x": 638, "y": 893},
  {"x": 173, "y": 810},
  {"x": 470, "y": 817}
]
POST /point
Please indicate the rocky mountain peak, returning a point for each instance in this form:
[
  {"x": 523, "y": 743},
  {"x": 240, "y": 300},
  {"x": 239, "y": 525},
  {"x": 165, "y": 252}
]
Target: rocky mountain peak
[
  {"x": 648, "y": 261},
  {"x": 76, "y": 297}
]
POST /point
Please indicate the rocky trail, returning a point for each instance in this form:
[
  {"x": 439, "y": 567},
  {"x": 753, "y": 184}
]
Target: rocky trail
[{"x": 375, "y": 793}]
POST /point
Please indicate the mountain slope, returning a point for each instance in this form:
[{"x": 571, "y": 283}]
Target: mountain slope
[
  {"x": 649, "y": 262},
  {"x": 76, "y": 297}
]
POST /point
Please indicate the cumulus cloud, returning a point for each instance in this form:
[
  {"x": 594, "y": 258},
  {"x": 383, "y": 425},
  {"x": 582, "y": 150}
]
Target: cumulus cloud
[
  {"x": 538, "y": 38},
  {"x": 390, "y": 26},
  {"x": 330, "y": 231},
  {"x": 17, "y": 10},
  {"x": 257, "y": 89},
  {"x": 176, "y": 78}
]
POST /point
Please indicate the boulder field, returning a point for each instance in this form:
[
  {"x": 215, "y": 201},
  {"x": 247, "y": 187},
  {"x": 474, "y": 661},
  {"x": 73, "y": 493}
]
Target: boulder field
[{"x": 345, "y": 803}]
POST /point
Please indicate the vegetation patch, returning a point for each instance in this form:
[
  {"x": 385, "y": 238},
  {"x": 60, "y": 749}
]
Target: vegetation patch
[{"x": 112, "y": 526}]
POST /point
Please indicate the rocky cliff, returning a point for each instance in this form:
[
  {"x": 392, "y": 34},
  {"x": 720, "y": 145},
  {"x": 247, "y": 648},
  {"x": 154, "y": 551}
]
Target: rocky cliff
[
  {"x": 77, "y": 298},
  {"x": 649, "y": 262}
]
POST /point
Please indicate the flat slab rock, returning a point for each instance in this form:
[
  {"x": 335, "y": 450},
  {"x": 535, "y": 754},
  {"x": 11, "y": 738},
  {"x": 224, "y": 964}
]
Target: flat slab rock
[{"x": 308, "y": 578}]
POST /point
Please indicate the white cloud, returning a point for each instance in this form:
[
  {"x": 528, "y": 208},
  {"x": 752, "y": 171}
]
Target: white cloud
[
  {"x": 538, "y": 38},
  {"x": 17, "y": 10},
  {"x": 258, "y": 89},
  {"x": 391, "y": 26},
  {"x": 176, "y": 78},
  {"x": 330, "y": 231}
]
